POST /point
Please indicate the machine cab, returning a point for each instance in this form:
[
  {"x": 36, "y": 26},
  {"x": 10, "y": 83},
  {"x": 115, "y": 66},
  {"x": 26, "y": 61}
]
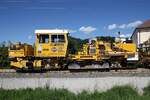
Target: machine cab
[{"x": 51, "y": 43}]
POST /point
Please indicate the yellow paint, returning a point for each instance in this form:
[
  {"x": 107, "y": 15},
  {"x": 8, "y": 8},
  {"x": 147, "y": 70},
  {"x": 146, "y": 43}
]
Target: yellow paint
[
  {"x": 48, "y": 49},
  {"x": 21, "y": 50},
  {"x": 130, "y": 47},
  {"x": 18, "y": 64},
  {"x": 37, "y": 63},
  {"x": 51, "y": 49},
  {"x": 104, "y": 50}
]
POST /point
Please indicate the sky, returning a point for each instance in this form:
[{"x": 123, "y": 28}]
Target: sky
[{"x": 83, "y": 18}]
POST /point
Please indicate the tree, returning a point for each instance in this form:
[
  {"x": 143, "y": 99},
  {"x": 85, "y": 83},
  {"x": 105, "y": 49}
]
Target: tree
[{"x": 4, "y": 60}]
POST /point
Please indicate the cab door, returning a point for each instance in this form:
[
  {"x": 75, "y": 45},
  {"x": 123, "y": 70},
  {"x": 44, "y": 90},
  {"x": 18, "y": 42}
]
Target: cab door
[{"x": 43, "y": 46}]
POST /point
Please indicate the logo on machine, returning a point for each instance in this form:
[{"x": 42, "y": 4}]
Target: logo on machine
[{"x": 54, "y": 49}]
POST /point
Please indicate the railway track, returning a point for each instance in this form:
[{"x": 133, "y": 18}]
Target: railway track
[
  {"x": 7, "y": 71},
  {"x": 11, "y": 73},
  {"x": 130, "y": 69}
]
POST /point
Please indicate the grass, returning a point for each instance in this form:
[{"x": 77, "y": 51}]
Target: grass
[
  {"x": 116, "y": 93},
  {"x": 147, "y": 91}
]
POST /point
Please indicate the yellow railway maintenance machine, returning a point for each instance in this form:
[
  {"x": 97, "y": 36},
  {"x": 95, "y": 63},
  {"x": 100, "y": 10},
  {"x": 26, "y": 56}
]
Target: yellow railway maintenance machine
[
  {"x": 49, "y": 51},
  {"x": 102, "y": 54}
]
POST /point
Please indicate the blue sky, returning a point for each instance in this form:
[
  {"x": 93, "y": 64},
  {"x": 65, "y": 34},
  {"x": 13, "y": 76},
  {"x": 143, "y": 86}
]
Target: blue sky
[{"x": 84, "y": 18}]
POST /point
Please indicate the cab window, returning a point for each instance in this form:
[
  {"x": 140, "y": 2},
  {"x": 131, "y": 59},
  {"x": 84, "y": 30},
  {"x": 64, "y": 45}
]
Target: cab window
[
  {"x": 57, "y": 38},
  {"x": 44, "y": 38},
  {"x": 92, "y": 51}
]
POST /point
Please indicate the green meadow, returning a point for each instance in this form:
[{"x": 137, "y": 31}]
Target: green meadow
[{"x": 115, "y": 93}]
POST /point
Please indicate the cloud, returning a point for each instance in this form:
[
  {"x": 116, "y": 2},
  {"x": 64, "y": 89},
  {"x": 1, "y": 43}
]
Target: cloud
[
  {"x": 71, "y": 31},
  {"x": 111, "y": 27},
  {"x": 134, "y": 24},
  {"x": 88, "y": 29},
  {"x": 30, "y": 37},
  {"x": 124, "y": 26},
  {"x": 125, "y": 35}
]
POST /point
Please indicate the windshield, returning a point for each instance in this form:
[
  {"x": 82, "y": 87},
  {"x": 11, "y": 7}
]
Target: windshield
[
  {"x": 44, "y": 38},
  {"x": 57, "y": 38}
]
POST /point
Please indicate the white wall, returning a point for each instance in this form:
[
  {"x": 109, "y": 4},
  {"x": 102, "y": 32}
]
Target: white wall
[
  {"x": 144, "y": 36},
  {"x": 140, "y": 36},
  {"x": 75, "y": 84}
]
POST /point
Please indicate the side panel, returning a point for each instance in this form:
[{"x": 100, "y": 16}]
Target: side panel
[
  {"x": 25, "y": 50},
  {"x": 130, "y": 47},
  {"x": 16, "y": 53}
]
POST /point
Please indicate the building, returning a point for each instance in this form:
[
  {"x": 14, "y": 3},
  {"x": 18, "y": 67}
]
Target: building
[{"x": 141, "y": 33}]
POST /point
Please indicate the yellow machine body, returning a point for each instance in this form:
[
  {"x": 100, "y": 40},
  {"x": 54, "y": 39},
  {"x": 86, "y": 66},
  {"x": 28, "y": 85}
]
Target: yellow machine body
[
  {"x": 51, "y": 43},
  {"x": 20, "y": 50},
  {"x": 100, "y": 50},
  {"x": 96, "y": 51},
  {"x": 130, "y": 47},
  {"x": 50, "y": 50},
  {"x": 19, "y": 63}
]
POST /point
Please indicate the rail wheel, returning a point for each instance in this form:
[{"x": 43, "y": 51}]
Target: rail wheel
[
  {"x": 74, "y": 65},
  {"x": 115, "y": 65}
]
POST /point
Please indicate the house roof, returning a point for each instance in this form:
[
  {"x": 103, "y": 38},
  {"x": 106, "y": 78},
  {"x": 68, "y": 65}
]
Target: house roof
[{"x": 146, "y": 24}]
